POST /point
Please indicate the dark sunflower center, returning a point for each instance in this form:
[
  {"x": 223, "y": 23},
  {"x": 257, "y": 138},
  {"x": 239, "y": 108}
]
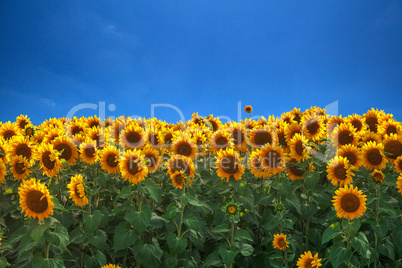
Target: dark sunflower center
[
  {"x": 307, "y": 263},
  {"x": 76, "y": 130},
  {"x": 400, "y": 164},
  {"x": 394, "y": 148},
  {"x": 90, "y": 152},
  {"x": 374, "y": 157},
  {"x": 350, "y": 202},
  {"x": 184, "y": 148},
  {"x": 37, "y": 202},
  {"x": 377, "y": 177},
  {"x": 272, "y": 159},
  {"x": 24, "y": 150},
  {"x": 262, "y": 137},
  {"x": 345, "y": 137},
  {"x": 297, "y": 118},
  {"x": 282, "y": 242},
  {"x": 77, "y": 192},
  {"x": 153, "y": 139},
  {"x": 47, "y": 162},
  {"x": 221, "y": 142},
  {"x": 93, "y": 124},
  {"x": 151, "y": 160},
  {"x": 248, "y": 109},
  {"x": 238, "y": 136},
  {"x": 23, "y": 123},
  {"x": 214, "y": 125},
  {"x": 168, "y": 139},
  {"x": 313, "y": 127},
  {"x": 295, "y": 170},
  {"x": 65, "y": 150},
  {"x": 179, "y": 179},
  {"x": 8, "y": 134},
  {"x": 229, "y": 165},
  {"x": 391, "y": 130},
  {"x": 133, "y": 138},
  {"x": 282, "y": 139},
  {"x": 340, "y": 172},
  {"x": 132, "y": 166},
  {"x": 351, "y": 157},
  {"x": 111, "y": 160},
  {"x": 372, "y": 123},
  {"x": 19, "y": 167},
  {"x": 256, "y": 163},
  {"x": 180, "y": 165},
  {"x": 299, "y": 148},
  {"x": 357, "y": 124}
]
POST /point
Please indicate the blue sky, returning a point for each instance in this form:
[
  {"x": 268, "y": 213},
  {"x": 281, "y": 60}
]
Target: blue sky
[{"x": 199, "y": 56}]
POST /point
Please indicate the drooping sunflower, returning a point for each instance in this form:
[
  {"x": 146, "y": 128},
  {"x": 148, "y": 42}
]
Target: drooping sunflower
[
  {"x": 248, "y": 109},
  {"x": 307, "y": 260},
  {"x": 132, "y": 166},
  {"x": 312, "y": 127},
  {"x": 398, "y": 164},
  {"x": 19, "y": 167},
  {"x": 292, "y": 130},
  {"x": 399, "y": 184},
  {"x": 152, "y": 159},
  {"x": 272, "y": 159},
  {"x": 35, "y": 199},
  {"x": 109, "y": 159},
  {"x": 298, "y": 148},
  {"x": 352, "y": 153},
  {"x": 3, "y": 171},
  {"x": 110, "y": 266},
  {"x": 372, "y": 118},
  {"x": 67, "y": 149},
  {"x": 339, "y": 171},
  {"x": 133, "y": 137},
  {"x": 184, "y": 145},
  {"x": 344, "y": 134},
  {"x": 179, "y": 179},
  {"x": 349, "y": 202},
  {"x": 49, "y": 159},
  {"x": 20, "y": 146},
  {"x": 77, "y": 190},
  {"x": 260, "y": 136},
  {"x": 23, "y": 121},
  {"x": 393, "y": 146},
  {"x": 377, "y": 176},
  {"x": 373, "y": 158},
  {"x": 228, "y": 164},
  {"x": 88, "y": 152},
  {"x": 9, "y": 130},
  {"x": 254, "y": 164},
  {"x": 280, "y": 242},
  {"x": 388, "y": 127}
]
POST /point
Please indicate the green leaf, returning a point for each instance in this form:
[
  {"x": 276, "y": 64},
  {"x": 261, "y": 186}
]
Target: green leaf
[
  {"x": 177, "y": 245},
  {"x": 192, "y": 223},
  {"x": 212, "y": 260},
  {"x": 171, "y": 211},
  {"x": 312, "y": 179},
  {"x": 242, "y": 234},
  {"x": 124, "y": 193},
  {"x": 331, "y": 232},
  {"x": 246, "y": 249},
  {"x": 39, "y": 261},
  {"x": 339, "y": 254},
  {"x": 352, "y": 228},
  {"x": 228, "y": 256},
  {"x": 99, "y": 240},
  {"x": 140, "y": 220},
  {"x": 387, "y": 249},
  {"x": 397, "y": 237},
  {"x": 284, "y": 187},
  {"x": 153, "y": 190},
  {"x": 124, "y": 236},
  {"x": 59, "y": 236},
  {"x": 148, "y": 255},
  {"x": 91, "y": 222},
  {"x": 292, "y": 201},
  {"x": 223, "y": 228},
  {"x": 39, "y": 228},
  {"x": 361, "y": 244},
  {"x": 380, "y": 229}
]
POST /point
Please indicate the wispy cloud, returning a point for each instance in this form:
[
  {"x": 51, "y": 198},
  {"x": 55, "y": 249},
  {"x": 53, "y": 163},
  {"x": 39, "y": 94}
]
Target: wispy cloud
[{"x": 48, "y": 102}]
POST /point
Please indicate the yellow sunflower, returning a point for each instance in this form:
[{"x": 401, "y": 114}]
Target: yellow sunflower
[
  {"x": 19, "y": 167},
  {"x": 93, "y": 121},
  {"x": 280, "y": 242},
  {"x": 358, "y": 122},
  {"x": 248, "y": 124},
  {"x": 23, "y": 121},
  {"x": 77, "y": 191},
  {"x": 166, "y": 136},
  {"x": 35, "y": 199},
  {"x": 280, "y": 134},
  {"x": 238, "y": 136},
  {"x": 352, "y": 153},
  {"x": 52, "y": 133},
  {"x": 272, "y": 159},
  {"x": 228, "y": 164},
  {"x": 339, "y": 171},
  {"x": 184, "y": 145},
  {"x": 179, "y": 179},
  {"x": 312, "y": 127},
  {"x": 377, "y": 176},
  {"x": 3, "y": 171},
  {"x": 201, "y": 139},
  {"x": 152, "y": 138},
  {"x": 109, "y": 159},
  {"x": 9, "y": 130},
  {"x": 152, "y": 159},
  {"x": 307, "y": 260},
  {"x": 110, "y": 266},
  {"x": 393, "y": 146},
  {"x": 332, "y": 123},
  {"x": 398, "y": 164},
  {"x": 220, "y": 140},
  {"x": 67, "y": 149},
  {"x": 388, "y": 127},
  {"x": 132, "y": 166},
  {"x": 49, "y": 159},
  {"x": 213, "y": 123},
  {"x": 372, "y": 118},
  {"x": 295, "y": 172},
  {"x": 88, "y": 152},
  {"x": 369, "y": 136},
  {"x": 75, "y": 126},
  {"x": 298, "y": 148},
  {"x": 349, "y": 202},
  {"x": 292, "y": 130},
  {"x": 248, "y": 109},
  {"x": 96, "y": 134},
  {"x": 20, "y": 146},
  {"x": 260, "y": 136},
  {"x": 344, "y": 134},
  {"x": 254, "y": 164},
  {"x": 287, "y": 118},
  {"x": 3, "y": 150},
  {"x": 296, "y": 114},
  {"x": 399, "y": 184},
  {"x": 38, "y": 137},
  {"x": 181, "y": 163},
  {"x": 133, "y": 137},
  {"x": 373, "y": 158}
]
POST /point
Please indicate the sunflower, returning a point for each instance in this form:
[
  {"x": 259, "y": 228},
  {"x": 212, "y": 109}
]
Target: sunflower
[
  {"x": 49, "y": 159},
  {"x": 280, "y": 134},
  {"x": 388, "y": 127},
  {"x": 393, "y": 146},
  {"x": 77, "y": 191},
  {"x": 152, "y": 158},
  {"x": 254, "y": 164},
  {"x": 67, "y": 149},
  {"x": 88, "y": 152},
  {"x": 358, "y": 122},
  {"x": 248, "y": 109},
  {"x": 133, "y": 137},
  {"x": 292, "y": 130},
  {"x": 377, "y": 176},
  {"x": 287, "y": 118},
  {"x": 152, "y": 138},
  {"x": 369, "y": 136},
  {"x": 332, "y": 123},
  {"x": 260, "y": 136},
  {"x": 228, "y": 164},
  {"x": 93, "y": 121},
  {"x": 339, "y": 171},
  {"x": 232, "y": 209},
  {"x": 248, "y": 124},
  {"x": 398, "y": 164},
  {"x": 272, "y": 159},
  {"x": 35, "y": 199},
  {"x": 295, "y": 172},
  {"x": 373, "y": 158},
  {"x": 19, "y": 167},
  {"x": 109, "y": 159},
  {"x": 352, "y": 153},
  {"x": 237, "y": 134},
  {"x": 280, "y": 242},
  {"x": 296, "y": 114},
  {"x": 75, "y": 126},
  {"x": 201, "y": 139},
  {"x": 166, "y": 136},
  {"x": 179, "y": 179},
  {"x": 98, "y": 135},
  {"x": 220, "y": 140},
  {"x": 312, "y": 127},
  {"x": 372, "y": 118},
  {"x": 3, "y": 147},
  {"x": 38, "y": 137},
  {"x": 213, "y": 123},
  {"x": 20, "y": 146},
  {"x": 349, "y": 202},
  {"x": 3, "y": 171},
  {"x": 399, "y": 184},
  {"x": 298, "y": 148},
  {"x": 9, "y": 130},
  {"x": 132, "y": 166},
  {"x": 184, "y": 145},
  {"x": 52, "y": 134},
  {"x": 110, "y": 266},
  {"x": 52, "y": 123},
  {"x": 23, "y": 121},
  {"x": 344, "y": 134},
  {"x": 29, "y": 130},
  {"x": 307, "y": 260}
]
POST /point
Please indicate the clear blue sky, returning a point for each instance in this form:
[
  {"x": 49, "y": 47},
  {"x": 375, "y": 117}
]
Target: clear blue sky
[{"x": 200, "y": 56}]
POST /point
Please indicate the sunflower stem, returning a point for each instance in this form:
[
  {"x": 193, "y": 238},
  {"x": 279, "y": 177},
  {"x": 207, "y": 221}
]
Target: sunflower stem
[
  {"x": 181, "y": 213},
  {"x": 377, "y": 216},
  {"x": 47, "y": 248}
]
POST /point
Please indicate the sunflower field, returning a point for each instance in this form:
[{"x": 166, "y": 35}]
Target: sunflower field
[{"x": 304, "y": 189}]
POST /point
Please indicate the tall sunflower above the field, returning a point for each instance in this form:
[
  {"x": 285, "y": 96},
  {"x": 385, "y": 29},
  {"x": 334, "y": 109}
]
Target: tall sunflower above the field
[
  {"x": 339, "y": 171},
  {"x": 349, "y": 202},
  {"x": 35, "y": 199},
  {"x": 132, "y": 166},
  {"x": 49, "y": 159},
  {"x": 77, "y": 191},
  {"x": 184, "y": 145},
  {"x": 373, "y": 157},
  {"x": 307, "y": 260},
  {"x": 228, "y": 163},
  {"x": 272, "y": 159}
]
